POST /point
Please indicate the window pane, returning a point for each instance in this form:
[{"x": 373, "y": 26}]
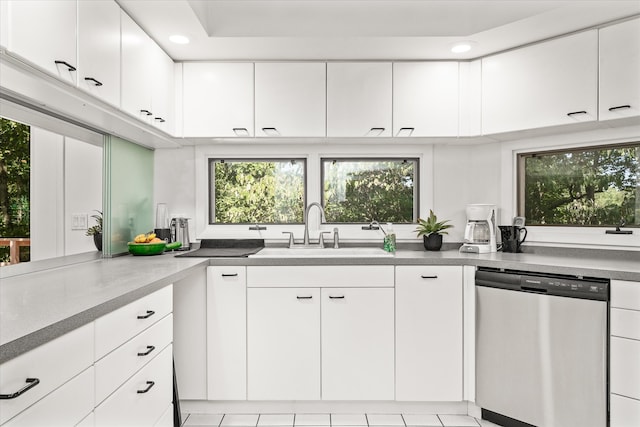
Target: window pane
[
  {"x": 257, "y": 191},
  {"x": 590, "y": 187},
  {"x": 365, "y": 190}
]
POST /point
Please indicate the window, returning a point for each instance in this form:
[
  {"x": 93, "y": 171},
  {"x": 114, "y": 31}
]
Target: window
[
  {"x": 363, "y": 190},
  {"x": 584, "y": 187},
  {"x": 253, "y": 191}
]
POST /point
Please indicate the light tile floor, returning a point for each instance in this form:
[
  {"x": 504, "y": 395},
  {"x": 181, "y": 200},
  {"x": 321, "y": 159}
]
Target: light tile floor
[{"x": 332, "y": 420}]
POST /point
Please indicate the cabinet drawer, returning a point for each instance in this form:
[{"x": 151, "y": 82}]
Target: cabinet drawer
[
  {"x": 117, "y": 327},
  {"x": 320, "y": 276},
  {"x": 625, "y": 412},
  {"x": 142, "y": 400},
  {"x": 625, "y": 294},
  {"x": 625, "y": 323},
  {"x": 66, "y": 406},
  {"x": 625, "y": 369},
  {"x": 117, "y": 366},
  {"x": 166, "y": 420},
  {"x": 52, "y": 364},
  {"x": 425, "y": 275}
]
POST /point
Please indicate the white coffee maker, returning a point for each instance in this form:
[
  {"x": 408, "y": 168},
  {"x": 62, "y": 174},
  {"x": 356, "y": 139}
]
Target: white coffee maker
[{"x": 480, "y": 232}]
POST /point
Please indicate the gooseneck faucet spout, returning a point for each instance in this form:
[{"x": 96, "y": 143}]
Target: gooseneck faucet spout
[{"x": 306, "y": 220}]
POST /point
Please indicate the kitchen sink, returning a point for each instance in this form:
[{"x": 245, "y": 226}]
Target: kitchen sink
[{"x": 314, "y": 252}]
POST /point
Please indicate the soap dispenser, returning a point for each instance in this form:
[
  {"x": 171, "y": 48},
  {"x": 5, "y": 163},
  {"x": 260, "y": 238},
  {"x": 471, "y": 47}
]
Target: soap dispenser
[{"x": 389, "y": 244}]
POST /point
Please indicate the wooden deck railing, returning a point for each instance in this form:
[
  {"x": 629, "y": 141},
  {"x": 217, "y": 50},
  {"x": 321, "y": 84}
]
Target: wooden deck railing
[{"x": 14, "y": 244}]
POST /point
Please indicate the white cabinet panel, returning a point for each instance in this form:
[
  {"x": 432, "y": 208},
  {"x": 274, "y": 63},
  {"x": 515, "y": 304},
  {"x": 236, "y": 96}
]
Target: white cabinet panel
[
  {"x": 283, "y": 343},
  {"x": 357, "y": 344},
  {"x": 625, "y": 323},
  {"x": 625, "y": 294},
  {"x": 137, "y": 73},
  {"x": 321, "y": 276},
  {"x": 425, "y": 99},
  {"x": 226, "y": 333},
  {"x": 359, "y": 98},
  {"x": 620, "y": 70},
  {"x": 43, "y": 32},
  {"x": 99, "y": 49},
  {"x": 290, "y": 99},
  {"x": 429, "y": 333},
  {"x": 162, "y": 90},
  {"x": 218, "y": 99},
  {"x": 546, "y": 84},
  {"x": 625, "y": 369},
  {"x": 625, "y": 412},
  {"x": 66, "y": 406}
]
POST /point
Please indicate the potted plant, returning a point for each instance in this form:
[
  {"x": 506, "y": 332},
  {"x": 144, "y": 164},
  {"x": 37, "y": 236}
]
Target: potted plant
[
  {"x": 431, "y": 231},
  {"x": 96, "y": 230}
]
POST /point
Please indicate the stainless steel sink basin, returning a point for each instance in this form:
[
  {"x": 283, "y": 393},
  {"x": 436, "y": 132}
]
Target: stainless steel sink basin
[{"x": 313, "y": 252}]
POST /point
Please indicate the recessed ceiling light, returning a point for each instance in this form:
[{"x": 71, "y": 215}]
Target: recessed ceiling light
[
  {"x": 179, "y": 39},
  {"x": 461, "y": 47}
]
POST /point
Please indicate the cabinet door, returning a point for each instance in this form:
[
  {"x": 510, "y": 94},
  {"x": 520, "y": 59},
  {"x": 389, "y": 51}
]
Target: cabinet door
[
  {"x": 226, "y": 333},
  {"x": 620, "y": 70},
  {"x": 163, "y": 90},
  {"x": 429, "y": 333},
  {"x": 291, "y": 99},
  {"x": 43, "y": 32},
  {"x": 357, "y": 344},
  {"x": 283, "y": 335},
  {"x": 218, "y": 99},
  {"x": 99, "y": 49},
  {"x": 546, "y": 84},
  {"x": 137, "y": 75},
  {"x": 625, "y": 369},
  {"x": 359, "y": 99},
  {"x": 425, "y": 99},
  {"x": 625, "y": 412}
]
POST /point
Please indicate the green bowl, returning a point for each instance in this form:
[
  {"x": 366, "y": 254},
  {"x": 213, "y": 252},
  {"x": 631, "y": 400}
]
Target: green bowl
[{"x": 151, "y": 248}]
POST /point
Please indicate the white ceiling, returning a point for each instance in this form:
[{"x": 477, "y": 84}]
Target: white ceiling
[{"x": 362, "y": 29}]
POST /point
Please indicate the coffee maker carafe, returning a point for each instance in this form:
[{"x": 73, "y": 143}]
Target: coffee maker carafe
[
  {"x": 480, "y": 231},
  {"x": 180, "y": 232}
]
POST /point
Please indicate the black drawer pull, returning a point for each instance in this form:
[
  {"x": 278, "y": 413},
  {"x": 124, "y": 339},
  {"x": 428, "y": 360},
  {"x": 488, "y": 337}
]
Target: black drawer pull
[
  {"x": 149, "y": 385},
  {"x": 146, "y": 112},
  {"x": 334, "y": 297},
  {"x": 576, "y": 113},
  {"x": 620, "y": 107},
  {"x": 146, "y": 316},
  {"x": 66, "y": 64},
  {"x": 150, "y": 348},
  {"x": 95, "y": 82},
  {"x": 307, "y": 297},
  {"x": 229, "y": 274},
  {"x": 430, "y": 277},
  {"x": 31, "y": 383},
  {"x": 160, "y": 119}
]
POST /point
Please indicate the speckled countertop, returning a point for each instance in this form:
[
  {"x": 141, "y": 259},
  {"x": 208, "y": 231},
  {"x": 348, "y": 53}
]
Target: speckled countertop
[{"x": 37, "y": 306}]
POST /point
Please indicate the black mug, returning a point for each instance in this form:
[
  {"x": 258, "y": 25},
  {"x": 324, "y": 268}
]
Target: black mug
[{"x": 512, "y": 238}]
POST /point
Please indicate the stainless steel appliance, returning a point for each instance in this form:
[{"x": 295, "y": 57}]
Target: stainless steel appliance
[
  {"x": 180, "y": 232},
  {"x": 480, "y": 231},
  {"x": 541, "y": 349}
]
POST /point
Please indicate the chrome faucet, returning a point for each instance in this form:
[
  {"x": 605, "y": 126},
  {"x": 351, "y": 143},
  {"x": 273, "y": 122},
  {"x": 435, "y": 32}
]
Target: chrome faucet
[{"x": 306, "y": 220}]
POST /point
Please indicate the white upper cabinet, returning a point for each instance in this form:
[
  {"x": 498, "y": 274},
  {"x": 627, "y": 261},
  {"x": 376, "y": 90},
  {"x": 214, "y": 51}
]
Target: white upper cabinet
[
  {"x": 620, "y": 70},
  {"x": 218, "y": 99},
  {"x": 290, "y": 99},
  {"x": 99, "y": 49},
  {"x": 162, "y": 89},
  {"x": 546, "y": 84},
  {"x": 359, "y": 99},
  {"x": 44, "y": 33},
  {"x": 425, "y": 99}
]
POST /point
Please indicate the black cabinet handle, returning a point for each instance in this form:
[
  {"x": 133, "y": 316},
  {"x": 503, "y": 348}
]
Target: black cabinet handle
[
  {"x": 308, "y": 297},
  {"x": 429, "y": 277},
  {"x": 257, "y": 227},
  {"x": 146, "y": 316},
  {"x": 406, "y": 129},
  {"x": 576, "y": 113},
  {"x": 620, "y": 107},
  {"x": 31, "y": 383},
  {"x": 66, "y": 64},
  {"x": 149, "y": 385},
  {"x": 334, "y": 297},
  {"x": 147, "y": 112},
  {"x": 241, "y": 131},
  {"x": 160, "y": 119},
  {"x": 271, "y": 131},
  {"x": 150, "y": 348},
  {"x": 229, "y": 274},
  {"x": 95, "y": 82}
]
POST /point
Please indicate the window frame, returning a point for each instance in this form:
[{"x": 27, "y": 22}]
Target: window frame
[
  {"x": 520, "y": 159},
  {"x": 416, "y": 182},
  {"x": 211, "y": 186}
]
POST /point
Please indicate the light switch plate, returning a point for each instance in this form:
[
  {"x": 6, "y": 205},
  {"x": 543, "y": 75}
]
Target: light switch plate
[{"x": 79, "y": 221}]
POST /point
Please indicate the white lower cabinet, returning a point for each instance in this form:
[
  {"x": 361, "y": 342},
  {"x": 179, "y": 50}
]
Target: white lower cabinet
[
  {"x": 625, "y": 412},
  {"x": 429, "y": 359},
  {"x": 283, "y": 334},
  {"x": 357, "y": 344}
]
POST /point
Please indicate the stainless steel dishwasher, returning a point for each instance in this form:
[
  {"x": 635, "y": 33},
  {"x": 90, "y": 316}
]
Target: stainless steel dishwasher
[{"x": 541, "y": 349}]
